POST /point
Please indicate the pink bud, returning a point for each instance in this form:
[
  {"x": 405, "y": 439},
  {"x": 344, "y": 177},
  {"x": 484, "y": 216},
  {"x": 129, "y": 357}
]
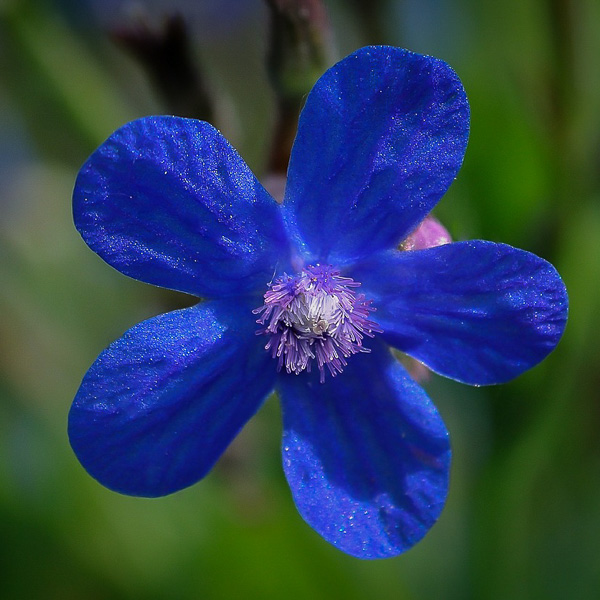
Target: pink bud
[{"x": 428, "y": 234}]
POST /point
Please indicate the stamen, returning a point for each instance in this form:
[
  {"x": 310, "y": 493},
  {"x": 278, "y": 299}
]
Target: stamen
[{"x": 315, "y": 315}]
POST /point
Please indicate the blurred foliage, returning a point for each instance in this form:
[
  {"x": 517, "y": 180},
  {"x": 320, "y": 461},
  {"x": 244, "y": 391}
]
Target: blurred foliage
[{"x": 523, "y": 515}]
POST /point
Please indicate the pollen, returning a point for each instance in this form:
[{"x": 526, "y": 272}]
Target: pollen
[{"x": 315, "y": 315}]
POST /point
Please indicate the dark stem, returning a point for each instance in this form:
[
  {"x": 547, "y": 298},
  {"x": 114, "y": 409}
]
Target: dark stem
[
  {"x": 166, "y": 55},
  {"x": 298, "y": 54}
]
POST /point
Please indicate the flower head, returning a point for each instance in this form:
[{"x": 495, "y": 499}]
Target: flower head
[
  {"x": 315, "y": 316},
  {"x": 306, "y": 298}
]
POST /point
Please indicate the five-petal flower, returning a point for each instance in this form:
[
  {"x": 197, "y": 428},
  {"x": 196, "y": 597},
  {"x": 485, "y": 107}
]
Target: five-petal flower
[{"x": 168, "y": 201}]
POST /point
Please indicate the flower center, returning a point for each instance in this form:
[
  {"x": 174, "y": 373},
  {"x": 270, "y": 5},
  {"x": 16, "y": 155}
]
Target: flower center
[{"x": 315, "y": 315}]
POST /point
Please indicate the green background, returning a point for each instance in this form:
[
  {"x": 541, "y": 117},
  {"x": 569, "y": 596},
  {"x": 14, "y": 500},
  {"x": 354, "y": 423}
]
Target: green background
[{"x": 523, "y": 515}]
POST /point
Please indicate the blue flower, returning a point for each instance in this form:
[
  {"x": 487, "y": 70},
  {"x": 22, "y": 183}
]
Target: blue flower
[{"x": 305, "y": 297}]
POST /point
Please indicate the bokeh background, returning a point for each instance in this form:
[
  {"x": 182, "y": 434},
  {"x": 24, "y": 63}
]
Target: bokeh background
[{"x": 523, "y": 515}]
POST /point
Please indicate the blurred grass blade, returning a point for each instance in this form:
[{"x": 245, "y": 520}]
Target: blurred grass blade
[{"x": 68, "y": 101}]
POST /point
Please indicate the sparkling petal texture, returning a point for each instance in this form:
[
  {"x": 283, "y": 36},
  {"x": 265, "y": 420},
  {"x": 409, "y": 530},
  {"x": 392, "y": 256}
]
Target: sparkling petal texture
[
  {"x": 168, "y": 201},
  {"x": 381, "y": 138},
  {"x": 159, "y": 405},
  {"x": 475, "y": 311},
  {"x": 366, "y": 455}
]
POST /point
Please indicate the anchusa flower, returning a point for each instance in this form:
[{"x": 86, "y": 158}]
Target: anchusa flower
[{"x": 306, "y": 298}]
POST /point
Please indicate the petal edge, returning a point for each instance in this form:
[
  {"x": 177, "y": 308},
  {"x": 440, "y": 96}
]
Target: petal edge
[
  {"x": 160, "y": 404},
  {"x": 380, "y": 139},
  {"x": 478, "y": 312},
  {"x": 366, "y": 455},
  {"x": 169, "y": 201}
]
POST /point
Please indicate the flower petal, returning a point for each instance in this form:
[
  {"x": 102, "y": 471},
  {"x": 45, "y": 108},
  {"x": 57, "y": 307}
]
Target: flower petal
[
  {"x": 366, "y": 455},
  {"x": 381, "y": 138},
  {"x": 475, "y": 311},
  {"x": 168, "y": 201},
  {"x": 160, "y": 405}
]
